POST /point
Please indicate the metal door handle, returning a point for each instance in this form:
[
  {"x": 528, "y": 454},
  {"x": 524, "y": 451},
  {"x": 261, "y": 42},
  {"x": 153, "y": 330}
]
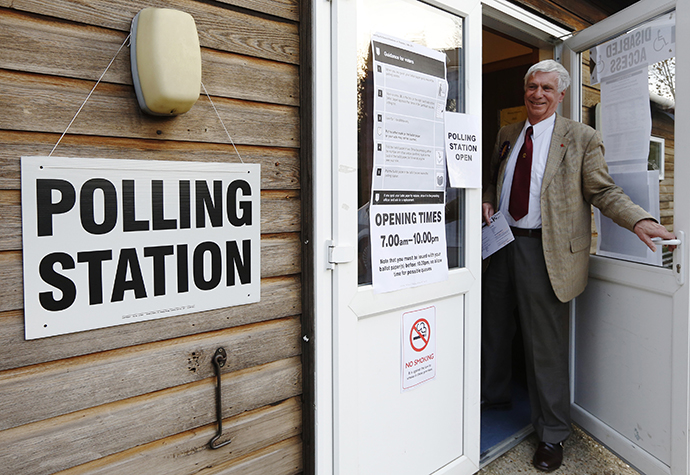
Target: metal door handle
[{"x": 219, "y": 360}]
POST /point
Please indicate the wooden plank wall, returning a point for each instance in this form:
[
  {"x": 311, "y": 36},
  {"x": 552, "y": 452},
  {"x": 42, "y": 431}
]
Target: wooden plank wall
[
  {"x": 575, "y": 14},
  {"x": 663, "y": 126},
  {"x": 139, "y": 398}
]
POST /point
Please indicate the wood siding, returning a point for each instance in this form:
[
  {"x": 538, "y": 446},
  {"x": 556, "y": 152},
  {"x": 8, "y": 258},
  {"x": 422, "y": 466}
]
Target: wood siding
[
  {"x": 140, "y": 398},
  {"x": 574, "y": 14}
]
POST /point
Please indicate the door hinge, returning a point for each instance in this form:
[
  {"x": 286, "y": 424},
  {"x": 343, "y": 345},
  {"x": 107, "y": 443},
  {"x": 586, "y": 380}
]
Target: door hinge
[{"x": 339, "y": 254}]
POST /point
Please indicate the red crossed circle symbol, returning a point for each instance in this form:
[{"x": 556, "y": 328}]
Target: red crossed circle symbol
[{"x": 419, "y": 334}]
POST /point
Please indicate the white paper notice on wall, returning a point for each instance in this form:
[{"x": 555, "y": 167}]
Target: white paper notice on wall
[
  {"x": 463, "y": 150},
  {"x": 418, "y": 347},
  {"x": 109, "y": 242}
]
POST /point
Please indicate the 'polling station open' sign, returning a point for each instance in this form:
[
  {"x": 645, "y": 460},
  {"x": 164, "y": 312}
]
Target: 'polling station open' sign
[{"x": 109, "y": 242}]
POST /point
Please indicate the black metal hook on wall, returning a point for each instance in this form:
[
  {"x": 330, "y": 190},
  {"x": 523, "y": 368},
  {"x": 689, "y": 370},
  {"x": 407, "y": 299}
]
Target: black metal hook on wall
[{"x": 219, "y": 360}]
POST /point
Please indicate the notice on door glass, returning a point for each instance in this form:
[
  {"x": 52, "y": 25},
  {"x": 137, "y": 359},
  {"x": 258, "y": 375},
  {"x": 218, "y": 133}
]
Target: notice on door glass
[
  {"x": 464, "y": 150},
  {"x": 407, "y": 220},
  {"x": 418, "y": 347},
  {"x": 642, "y": 46}
]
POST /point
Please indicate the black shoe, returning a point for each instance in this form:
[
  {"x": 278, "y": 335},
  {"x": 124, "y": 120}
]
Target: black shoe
[
  {"x": 548, "y": 457},
  {"x": 496, "y": 406}
]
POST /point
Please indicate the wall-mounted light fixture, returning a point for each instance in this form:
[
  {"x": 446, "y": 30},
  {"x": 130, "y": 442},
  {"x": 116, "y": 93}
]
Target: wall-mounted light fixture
[{"x": 166, "y": 61}]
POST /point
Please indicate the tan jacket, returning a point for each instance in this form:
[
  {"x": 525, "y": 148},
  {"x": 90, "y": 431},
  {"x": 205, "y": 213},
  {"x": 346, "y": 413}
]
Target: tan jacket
[{"x": 575, "y": 177}]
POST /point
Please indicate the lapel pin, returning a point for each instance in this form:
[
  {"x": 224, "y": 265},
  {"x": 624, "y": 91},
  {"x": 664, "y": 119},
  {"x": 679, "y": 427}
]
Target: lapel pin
[{"x": 505, "y": 149}]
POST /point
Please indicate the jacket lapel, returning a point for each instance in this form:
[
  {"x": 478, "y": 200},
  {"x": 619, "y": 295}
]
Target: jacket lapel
[
  {"x": 559, "y": 144},
  {"x": 511, "y": 137}
]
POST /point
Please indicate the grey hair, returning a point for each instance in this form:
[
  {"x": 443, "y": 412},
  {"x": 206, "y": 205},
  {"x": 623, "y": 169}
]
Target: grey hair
[{"x": 550, "y": 66}]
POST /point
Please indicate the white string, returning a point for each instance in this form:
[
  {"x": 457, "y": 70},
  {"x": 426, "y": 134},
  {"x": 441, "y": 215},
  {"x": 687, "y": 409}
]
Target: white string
[
  {"x": 221, "y": 122},
  {"x": 101, "y": 78},
  {"x": 87, "y": 97}
]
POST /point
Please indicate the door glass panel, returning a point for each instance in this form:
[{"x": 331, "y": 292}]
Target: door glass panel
[
  {"x": 431, "y": 27},
  {"x": 628, "y": 80}
]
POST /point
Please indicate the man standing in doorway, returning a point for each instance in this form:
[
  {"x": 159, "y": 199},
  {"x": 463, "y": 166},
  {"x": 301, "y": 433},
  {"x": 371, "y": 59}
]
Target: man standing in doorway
[{"x": 546, "y": 173}]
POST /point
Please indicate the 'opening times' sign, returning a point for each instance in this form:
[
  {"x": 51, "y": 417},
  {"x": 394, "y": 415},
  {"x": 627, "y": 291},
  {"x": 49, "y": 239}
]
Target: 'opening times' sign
[
  {"x": 109, "y": 242},
  {"x": 407, "y": 222}
]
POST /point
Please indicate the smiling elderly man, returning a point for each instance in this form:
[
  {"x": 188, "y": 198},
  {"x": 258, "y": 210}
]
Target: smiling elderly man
[{"x": 546, "y": 173}]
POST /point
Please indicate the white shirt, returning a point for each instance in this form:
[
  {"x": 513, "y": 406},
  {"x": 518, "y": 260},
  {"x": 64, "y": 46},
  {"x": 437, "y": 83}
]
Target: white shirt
[{"x": 541, "y": 140}]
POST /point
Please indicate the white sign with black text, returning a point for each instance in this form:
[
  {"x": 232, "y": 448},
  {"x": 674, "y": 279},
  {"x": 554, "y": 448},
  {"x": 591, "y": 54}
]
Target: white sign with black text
[
  {"x": 108, "y": 242},
  {"x": 464, "y": 150},
  {"x": 407, "y": 208}
]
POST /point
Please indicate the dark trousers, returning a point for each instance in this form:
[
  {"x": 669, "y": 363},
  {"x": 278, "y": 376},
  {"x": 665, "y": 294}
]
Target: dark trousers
[{"x": 516, "y": 277}]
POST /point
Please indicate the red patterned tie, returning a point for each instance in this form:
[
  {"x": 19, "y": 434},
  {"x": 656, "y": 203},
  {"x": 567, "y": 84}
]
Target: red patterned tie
[{"x": 519, "y": 193}]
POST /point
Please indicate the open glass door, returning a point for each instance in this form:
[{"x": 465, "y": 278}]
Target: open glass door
[
  {"x": 383, "y": 421},
  {"x": 630, "y": 326}
]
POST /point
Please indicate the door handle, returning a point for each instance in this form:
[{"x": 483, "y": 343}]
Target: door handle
[
  {"x": 219, "y": 360},
  {"x": 678, "y": 254},
  {"x": 666, "y": 242}
]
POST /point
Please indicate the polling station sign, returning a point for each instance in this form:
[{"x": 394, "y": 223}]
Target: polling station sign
[{"x": 108, "y": 242}]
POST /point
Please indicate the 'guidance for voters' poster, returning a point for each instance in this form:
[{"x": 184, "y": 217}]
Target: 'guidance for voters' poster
[{"x": 408, "y": 240}]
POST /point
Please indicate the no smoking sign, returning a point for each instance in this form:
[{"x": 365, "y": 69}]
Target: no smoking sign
[
  {"x": 419, "y": 335},
  {"x": 418, "y": 347}
]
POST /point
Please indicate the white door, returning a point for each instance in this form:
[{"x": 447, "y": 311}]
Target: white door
[
  {"x": 630, "y": 327},
  {"x": 377, "y": 427}
]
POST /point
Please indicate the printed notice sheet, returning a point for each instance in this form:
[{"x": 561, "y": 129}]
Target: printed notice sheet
[
  {"x": 407, "y": 217},
  {"x": 626, "y": 119},
  {"x": 495, "y": 236},
  {"x": 464, "y": 150},
  {"x": 621, "y": 66}
]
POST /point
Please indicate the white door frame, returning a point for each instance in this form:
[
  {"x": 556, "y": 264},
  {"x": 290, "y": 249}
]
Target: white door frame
[
  {"x": 325, "y": 80},
  {"x": 513, "y": 20},
  {"x": 322, "y": 232},
  {"x": 325, "y": 26},
  {"x": 680, "y": 437},
  {"x": 333, "y": 175},
  {"x": 680, "y": 417}
]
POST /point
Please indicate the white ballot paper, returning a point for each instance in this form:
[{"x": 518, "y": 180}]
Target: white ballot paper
[{"x": 495, "y": 236}]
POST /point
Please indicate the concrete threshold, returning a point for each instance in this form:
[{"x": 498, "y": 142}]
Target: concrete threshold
[{"x": 582, "y": 455}]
